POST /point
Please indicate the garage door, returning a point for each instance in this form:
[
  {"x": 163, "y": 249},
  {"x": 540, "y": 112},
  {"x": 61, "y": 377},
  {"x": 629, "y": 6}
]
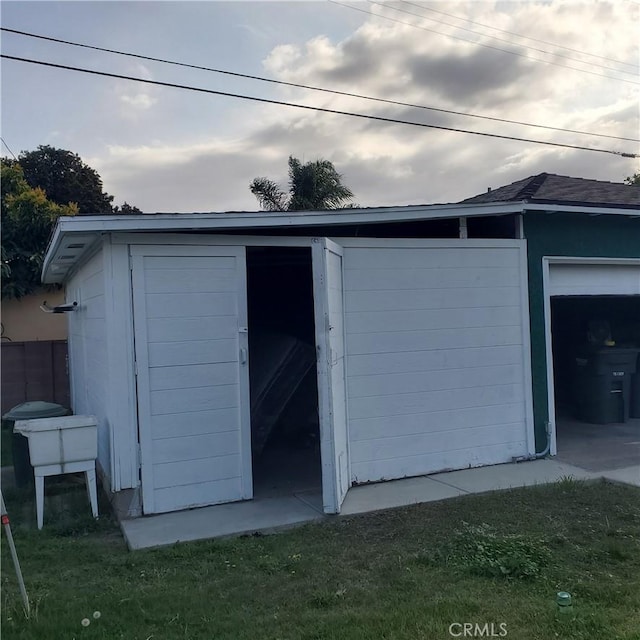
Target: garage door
[
  {"x": 566, "y": 279},
  {"x": 190, "y": 322},
  {"x": 438, "y": 355}
]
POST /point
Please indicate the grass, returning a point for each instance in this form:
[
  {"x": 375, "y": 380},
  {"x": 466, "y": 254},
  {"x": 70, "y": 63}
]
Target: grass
[
  {"x": 6, "y": 459},
  {"x": 406, "y": 573}
]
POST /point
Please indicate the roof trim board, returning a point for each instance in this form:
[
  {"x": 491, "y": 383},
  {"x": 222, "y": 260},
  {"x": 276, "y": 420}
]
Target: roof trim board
[{"x": 74, "y": 236}]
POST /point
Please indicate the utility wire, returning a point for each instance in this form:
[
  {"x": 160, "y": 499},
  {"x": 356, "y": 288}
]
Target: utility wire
[
  {"x": 312, "y": 108},
  {"x": 8, "y": 149},
  {"x": 559, "y": 55},
  {"x": 479, "y": 44},
  {"x": 518, "y": 35},
  {"x": 313, "y": 88},
  {"x": 510, "y": 42}
]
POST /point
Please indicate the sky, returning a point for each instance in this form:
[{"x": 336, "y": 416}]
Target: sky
[{"x": 568, "y": 65}]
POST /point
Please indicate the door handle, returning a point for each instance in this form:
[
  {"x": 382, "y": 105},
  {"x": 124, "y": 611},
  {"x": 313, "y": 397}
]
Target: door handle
[{"x": 243, "y": 356}]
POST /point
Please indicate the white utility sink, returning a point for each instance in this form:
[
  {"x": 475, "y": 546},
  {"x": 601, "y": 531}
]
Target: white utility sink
[{"x": 68, "y": 444}]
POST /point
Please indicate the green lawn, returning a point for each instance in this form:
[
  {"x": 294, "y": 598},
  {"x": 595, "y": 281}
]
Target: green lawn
[
  {"x": 6, "y": 459},
  {"x": 398, "y": 574}
]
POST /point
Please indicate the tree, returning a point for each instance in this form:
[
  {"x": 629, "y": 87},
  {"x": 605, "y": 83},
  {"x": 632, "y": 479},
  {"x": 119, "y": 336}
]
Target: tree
[
  {"x": 312, "y": 186},
  {"x": 634, "y": 179},
  {"x": 65, "y": 178},
  {"x": 126, "y": 209},
  {"x": 28, "y": 217}
]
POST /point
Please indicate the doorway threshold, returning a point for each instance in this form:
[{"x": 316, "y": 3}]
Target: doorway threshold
[{"x": 232, "y": 519}]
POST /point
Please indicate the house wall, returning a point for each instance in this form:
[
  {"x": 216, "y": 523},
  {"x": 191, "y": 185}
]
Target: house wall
[
  {"x": 24, "y": 321},
  {"x": 88, "y": 350},
  {"x": 436, "y": 342},
  {"x": 578, "y": 235}
]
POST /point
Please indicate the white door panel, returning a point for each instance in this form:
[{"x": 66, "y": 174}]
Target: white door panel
[
  {"x": 329, "y": 319},
  {"x": 438, "y": 373},
  {"x": 193, "y": 390}
]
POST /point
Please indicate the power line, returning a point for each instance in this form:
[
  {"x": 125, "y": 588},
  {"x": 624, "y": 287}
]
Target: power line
[
  {"x": 518, "y": 35},
  {"x": 479, "y": 44},
  {"x": 8, "y": 149},
  {"x": 313, "y": 88},
  {"x": 559, "y": 55},
  {"x": 312, "y": 108}
]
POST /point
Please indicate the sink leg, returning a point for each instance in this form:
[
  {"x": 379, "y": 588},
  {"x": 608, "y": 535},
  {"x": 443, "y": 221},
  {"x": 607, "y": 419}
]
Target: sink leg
[
  {"x": 40, "y": 500},
  {"x": 90, "y": 476}
]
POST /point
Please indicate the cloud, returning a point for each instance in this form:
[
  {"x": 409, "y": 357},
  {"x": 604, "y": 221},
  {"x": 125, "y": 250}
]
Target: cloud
[
  {"x": 385, "y": 163},
  {"x": 138, "y": 100}
]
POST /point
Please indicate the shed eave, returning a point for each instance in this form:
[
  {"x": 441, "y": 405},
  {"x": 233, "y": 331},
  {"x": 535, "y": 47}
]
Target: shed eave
[
  {"x": 54, "y": 272},
  {"x": 69, "y": 229}
]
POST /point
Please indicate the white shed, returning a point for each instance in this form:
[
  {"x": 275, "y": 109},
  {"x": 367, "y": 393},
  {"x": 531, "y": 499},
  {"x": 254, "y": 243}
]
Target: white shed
[{"x": 422, "y": 356}]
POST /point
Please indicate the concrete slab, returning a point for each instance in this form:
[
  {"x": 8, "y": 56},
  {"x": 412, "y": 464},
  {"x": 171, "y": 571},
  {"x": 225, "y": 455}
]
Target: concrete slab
[
  {"x": 398, "y": 493},
  {"x": 217, "y": 521},
  {"x": 313, "y": 498},
  {"x": 599, "y": 447},
  {"x": 270, "y": 514},
  {"x": 630, "y": 475},
  {"x": 507, "y": 476}
]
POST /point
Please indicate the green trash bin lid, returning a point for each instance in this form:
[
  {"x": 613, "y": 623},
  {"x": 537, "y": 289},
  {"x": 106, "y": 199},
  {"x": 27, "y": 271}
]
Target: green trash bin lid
[{"x": 35, "y": 409}]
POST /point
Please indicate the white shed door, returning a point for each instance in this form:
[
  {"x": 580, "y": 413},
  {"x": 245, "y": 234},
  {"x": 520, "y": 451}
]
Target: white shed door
[
  {"x": 438, "y": 355},
  {"x": 329, "y": 319},
  {"x": 190, "y": 320}
]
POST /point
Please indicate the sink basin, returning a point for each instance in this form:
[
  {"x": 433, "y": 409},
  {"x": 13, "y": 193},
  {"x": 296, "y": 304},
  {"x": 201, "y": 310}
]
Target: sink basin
[{"x": 59, "y": 441}]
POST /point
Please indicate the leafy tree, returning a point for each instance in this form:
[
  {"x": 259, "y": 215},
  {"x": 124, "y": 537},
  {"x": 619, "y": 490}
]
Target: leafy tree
[
  {"x": 634, "y": 179},
  {"x": 28, "y": 217},
  {"x": 312, "y": 186},
  {"x": 65, "y": 178},
  {"x": 126, "y": 209}
]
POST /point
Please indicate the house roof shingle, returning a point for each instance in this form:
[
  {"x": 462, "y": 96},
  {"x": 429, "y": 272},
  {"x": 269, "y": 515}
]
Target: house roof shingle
[{"x": 552, "y": 188}]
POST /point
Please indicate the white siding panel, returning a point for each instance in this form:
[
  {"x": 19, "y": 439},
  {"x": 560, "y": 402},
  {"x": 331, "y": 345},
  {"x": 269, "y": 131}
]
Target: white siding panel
[
  {"x": 191, "y": 495},
  {"x": 439, "y": 438},
  {"x": 400, "y": 383},
  {"x": 175, "y": 263},
  {"x": 393, "y": 342},
  {"x": 415, "y": 320},
  {"x": 167, "y": 354},
  {"x": 88, "y": 363},
  {"x": 403, "y": 257},
  {"x": 430, "y": 360},
  {"x": 195, "y": 471},
  {"x": 428, "y": 401},
  {"x": 419, "y": 423},
  {"x": 185, "y": 377},
  {"x": 168, "y": 281},
  {"x": 181, "y": 447},
  {"x": 376, "y": 279},
  {"x": 435, "y": 365},
  {"x": 458, "y": 298},
  {"x": 194, "y": 423},
  {"x": 200, "y": 328},
  {"x": 183, "y": 400},
  {"x": 198, "y": 305},
  {"x": 415, "y": 465}
]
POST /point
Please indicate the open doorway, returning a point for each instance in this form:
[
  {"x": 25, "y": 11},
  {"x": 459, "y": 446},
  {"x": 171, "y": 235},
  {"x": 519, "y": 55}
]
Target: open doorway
[
  {"x": 596, "y": 346},
  {"x": 285, "y": 440}
]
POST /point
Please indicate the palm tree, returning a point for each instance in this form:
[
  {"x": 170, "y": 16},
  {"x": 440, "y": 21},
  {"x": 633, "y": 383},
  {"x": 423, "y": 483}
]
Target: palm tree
[{"x": 312, "y": 186}]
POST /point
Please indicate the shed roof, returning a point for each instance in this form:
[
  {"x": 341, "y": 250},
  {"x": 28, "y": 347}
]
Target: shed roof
[
  {"x": 74, "y": 237},
  {"x": 552, "y": 188}
]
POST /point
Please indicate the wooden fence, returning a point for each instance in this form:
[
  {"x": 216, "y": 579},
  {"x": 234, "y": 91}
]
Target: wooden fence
[{"x": 34, "y": 371}]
